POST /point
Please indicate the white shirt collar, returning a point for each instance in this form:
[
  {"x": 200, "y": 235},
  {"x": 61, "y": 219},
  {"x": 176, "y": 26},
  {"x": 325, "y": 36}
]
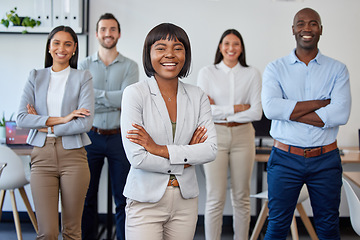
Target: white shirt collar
[{"x": 227, "y": 69}]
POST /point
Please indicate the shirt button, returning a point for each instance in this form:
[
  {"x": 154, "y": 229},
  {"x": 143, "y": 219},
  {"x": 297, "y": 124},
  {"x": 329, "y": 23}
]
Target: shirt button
[
  {"x": 169, "y": 171},
  {"x": 185, "y": 160}
]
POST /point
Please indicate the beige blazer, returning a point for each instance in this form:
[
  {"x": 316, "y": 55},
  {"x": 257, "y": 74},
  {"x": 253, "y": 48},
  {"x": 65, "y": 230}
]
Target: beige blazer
[{"x": 149, "y": 174}]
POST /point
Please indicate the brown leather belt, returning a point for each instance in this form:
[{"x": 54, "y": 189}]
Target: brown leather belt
[
  {"x": 173, "y": 182},
  {"x": 230, "y": 124},
  {"x": 105, "y": 131},
  {"x": 305, "y": 152}
]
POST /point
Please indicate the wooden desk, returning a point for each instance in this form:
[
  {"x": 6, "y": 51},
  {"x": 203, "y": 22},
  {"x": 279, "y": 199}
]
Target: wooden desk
[
  {"x": 350, "y": 155},
  {"x": 353, "y": 176},
  {"x": 263, "y": 158},
  {"x": 22, "y": 151}
]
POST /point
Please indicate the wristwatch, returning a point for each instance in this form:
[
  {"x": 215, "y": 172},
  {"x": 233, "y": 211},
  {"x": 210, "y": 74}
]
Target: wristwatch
[{"x": 49, "y": 130}]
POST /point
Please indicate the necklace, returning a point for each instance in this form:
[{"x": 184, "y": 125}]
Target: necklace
[{"x": 169, "y": 98}]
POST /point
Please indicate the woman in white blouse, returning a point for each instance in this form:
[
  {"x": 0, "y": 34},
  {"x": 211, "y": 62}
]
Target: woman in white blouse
[
  {"x": 234, "y": 90},
  {"x": 58, "y": 105}
]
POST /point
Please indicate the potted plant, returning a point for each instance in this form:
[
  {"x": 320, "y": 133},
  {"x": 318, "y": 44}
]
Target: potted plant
[
  {"x": 2, "y": 125},
  {"x": 13, "y": 18}
]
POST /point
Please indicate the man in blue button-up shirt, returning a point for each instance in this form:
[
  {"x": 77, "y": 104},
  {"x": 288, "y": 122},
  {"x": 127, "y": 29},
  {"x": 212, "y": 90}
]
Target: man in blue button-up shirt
[
  {"x": 112, "y": 73},
  {"x": 307, "y": 97}
]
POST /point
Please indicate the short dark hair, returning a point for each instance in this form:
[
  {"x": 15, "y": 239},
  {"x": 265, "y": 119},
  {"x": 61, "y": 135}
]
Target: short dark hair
[
  {"x": 242, "y": 57},
  {"x": 167, "y": 31},
  {"x": 107, "y": 16},
  {"x": 74, "y": 59}
]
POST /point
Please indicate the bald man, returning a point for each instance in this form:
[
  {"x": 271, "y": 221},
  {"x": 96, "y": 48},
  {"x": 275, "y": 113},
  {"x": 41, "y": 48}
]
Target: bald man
[{"x": 307, "y": 97}]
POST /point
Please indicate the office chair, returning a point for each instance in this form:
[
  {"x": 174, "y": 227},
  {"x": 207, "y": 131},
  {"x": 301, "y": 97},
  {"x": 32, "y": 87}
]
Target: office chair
[
  {"x": 294, "y": 231},
  {"x": 354, "y": 206},
  {"x": 13, "y": 177},
  {"x": 2, "y": 165}
]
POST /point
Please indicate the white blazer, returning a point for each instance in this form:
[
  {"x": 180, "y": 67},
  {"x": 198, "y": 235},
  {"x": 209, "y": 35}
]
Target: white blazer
[
  {"x": 149, "y": 174},
  {"x": 79, "y": 93}
]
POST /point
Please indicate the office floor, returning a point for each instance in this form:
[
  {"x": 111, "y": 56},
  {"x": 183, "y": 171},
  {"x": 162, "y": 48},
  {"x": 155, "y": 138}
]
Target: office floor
[{"x": 7, "y": 232}]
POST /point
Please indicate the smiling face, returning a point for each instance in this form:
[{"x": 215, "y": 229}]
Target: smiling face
[
  {"x": 108, "y": 33},
  {"x": 61, "y": 48},
  {"x": 307, "y": 29},
  {"x": 230, "y": 48},
  {"x": 167, "y": 59}
]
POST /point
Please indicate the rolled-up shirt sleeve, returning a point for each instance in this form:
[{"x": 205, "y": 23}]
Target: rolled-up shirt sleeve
[
  {"x": 274, "y": 103},
  {"x": 338, "y": 111}
]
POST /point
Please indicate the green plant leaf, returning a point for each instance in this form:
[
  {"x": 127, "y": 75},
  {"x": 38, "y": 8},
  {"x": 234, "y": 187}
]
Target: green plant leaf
[
  {"x": 13, "y": 17},
  {"x": 2, "y": 121},
  {"x": 5, "y": 22}
]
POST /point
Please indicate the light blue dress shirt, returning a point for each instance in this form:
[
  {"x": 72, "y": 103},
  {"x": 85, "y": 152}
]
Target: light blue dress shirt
[
  {"x": 109, "y": 84},
  {"x": 288, "y": 80}
]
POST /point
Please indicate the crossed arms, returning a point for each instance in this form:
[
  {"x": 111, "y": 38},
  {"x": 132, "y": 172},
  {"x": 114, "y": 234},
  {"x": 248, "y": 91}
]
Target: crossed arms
[{"x": 305, "y": 112}]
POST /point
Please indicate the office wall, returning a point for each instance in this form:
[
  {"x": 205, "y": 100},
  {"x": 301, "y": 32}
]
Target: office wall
[{"x": 264, "y": 24}]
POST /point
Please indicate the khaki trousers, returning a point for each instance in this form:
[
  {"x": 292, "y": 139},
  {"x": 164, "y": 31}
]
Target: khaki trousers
[
  {"x": 172, "y": 218},
  {"x": 236, "y": 151},
  {"x": 57, "y": 170}
]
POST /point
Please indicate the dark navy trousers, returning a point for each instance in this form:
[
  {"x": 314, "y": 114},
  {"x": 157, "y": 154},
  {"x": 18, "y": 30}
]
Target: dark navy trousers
[
  {"x": 111, "y": 147},
  {"x": 286, "y": 175}
]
